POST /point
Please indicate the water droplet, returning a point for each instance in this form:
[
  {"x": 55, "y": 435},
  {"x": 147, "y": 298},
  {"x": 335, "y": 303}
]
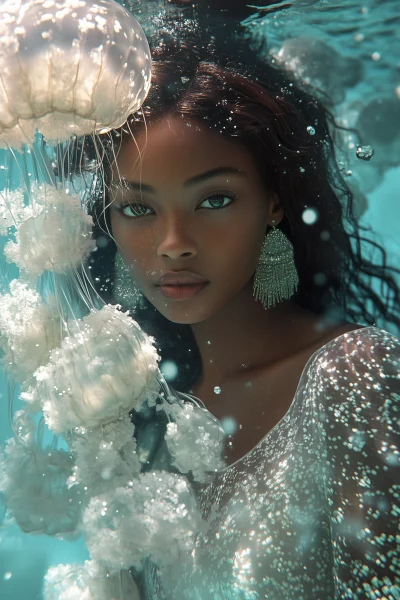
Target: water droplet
[
  {"x": 101, "y": 242},
  {"x": 217, "y": 389},
  {"x": 302, "y": 170},
  {"x": 311, "y": 130},
  {"x": 320, "y": 278},
  {"x": 310, "y": 216},
  {"x": 169, "y": 369},
  {"x": 7, "y": 575},
  {"x": 365, "y": 152},
  {"x": 229, "y": 425}
]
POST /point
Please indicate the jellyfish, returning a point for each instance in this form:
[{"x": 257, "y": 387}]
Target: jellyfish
[{"x": 69, "y": 68}]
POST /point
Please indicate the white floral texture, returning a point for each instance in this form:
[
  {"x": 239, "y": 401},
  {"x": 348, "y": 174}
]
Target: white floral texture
[
  {"x": 104, "y": 457},
  {"x": 156, "y": 516},
  {"x": 196, "y": 442},
  {"x": 29, "y": 330},
  {"x": 89, "y": 581},
  {"x": 11, "y": 209},
  {"x": 34, "y": 483},
  {"x": 55, "y": 233},
  {"x": 105, "y": 368}
]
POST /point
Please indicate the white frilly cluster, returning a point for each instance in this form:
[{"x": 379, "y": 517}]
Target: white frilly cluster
[
  {"x": 104, "y": 456},
  {"x": 89, "y": 581},
  {"x": 34, "y": 482},
  {"x": 156, "y": 516},
  {"x": 53, "y": 233},
  {"x": 104, "y": 369},
  {"x": 29, "y": 330},
  {"x": 86, "y": 378},
  {"x": 11, "y": 209},
  {"x": 195, "y": 442}
]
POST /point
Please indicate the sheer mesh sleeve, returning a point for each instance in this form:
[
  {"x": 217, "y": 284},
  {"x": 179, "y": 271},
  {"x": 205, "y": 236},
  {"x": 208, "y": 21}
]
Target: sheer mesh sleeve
[{"x": 358, "y": 422}]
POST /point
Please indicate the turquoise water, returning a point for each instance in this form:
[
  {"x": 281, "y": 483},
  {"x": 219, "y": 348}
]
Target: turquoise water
[{"x": 360, "y": 44}]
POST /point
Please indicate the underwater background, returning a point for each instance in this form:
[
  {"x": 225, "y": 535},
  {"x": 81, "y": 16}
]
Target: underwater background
[{"x": 348, "y": 49}]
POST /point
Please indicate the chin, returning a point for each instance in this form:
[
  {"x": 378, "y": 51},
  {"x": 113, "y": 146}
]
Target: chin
[{"x": 183, "y": 317}]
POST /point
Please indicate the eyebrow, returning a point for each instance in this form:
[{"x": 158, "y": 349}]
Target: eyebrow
[{"x": 197, "y": 179}]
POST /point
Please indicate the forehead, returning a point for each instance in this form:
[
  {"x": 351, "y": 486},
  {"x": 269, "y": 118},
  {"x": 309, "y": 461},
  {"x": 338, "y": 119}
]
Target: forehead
[{"x": 179, "y": 148}]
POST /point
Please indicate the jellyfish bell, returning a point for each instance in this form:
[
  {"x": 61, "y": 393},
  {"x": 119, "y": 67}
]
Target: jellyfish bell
[{"x": 69, "y": 67}]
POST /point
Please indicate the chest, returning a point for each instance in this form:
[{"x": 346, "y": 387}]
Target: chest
[{"x": 250, "y": 405}]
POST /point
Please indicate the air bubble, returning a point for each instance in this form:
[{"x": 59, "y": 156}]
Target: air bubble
[
  {"x": 311, "y": 130},
  {"x": 310, "y": 216},
  {"x": 169, "y": 369},
  {"x": 229, "y": 425},
  {"x": 320, "y": 279},
  {"x": 217, "y": 389},
  {"x": 365, "y": 152},
  {"x": 101, "y": 241}
]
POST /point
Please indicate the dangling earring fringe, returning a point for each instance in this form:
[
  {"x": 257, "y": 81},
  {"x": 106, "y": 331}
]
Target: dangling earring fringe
[
  {"x": 276, "y": 277},
  {"x": 125, "y": 291}
]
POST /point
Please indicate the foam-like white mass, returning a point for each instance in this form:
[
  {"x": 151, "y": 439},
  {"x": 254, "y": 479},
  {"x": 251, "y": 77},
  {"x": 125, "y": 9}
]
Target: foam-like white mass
[
  {"x": 29, "y": 330},
  {"x": 89, "y": 581},
  {"x": 105, "y": 368},
  {"x": 11, "y": 209},
  {"x": 34, "y": 483},
  {"x": 55, "y": 233},
  {"x": 196, "y": 442},
  {"x": 104, "y": 457},
  {"x": 156, "y": 516}
]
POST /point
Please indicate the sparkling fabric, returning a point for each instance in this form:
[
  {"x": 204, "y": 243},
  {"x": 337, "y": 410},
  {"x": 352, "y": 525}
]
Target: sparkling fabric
[{"x": 313, "y": 511}]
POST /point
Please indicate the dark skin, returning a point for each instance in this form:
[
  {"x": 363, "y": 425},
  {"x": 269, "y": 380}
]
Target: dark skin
[{"x": 255, "y": 355}]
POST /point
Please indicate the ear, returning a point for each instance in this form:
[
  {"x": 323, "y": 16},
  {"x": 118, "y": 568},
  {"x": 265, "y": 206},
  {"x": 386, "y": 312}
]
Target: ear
[{"x": 275, "y": 210}]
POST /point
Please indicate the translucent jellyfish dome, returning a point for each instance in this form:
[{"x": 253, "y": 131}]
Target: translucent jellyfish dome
[{"x": 69, "y": 67}]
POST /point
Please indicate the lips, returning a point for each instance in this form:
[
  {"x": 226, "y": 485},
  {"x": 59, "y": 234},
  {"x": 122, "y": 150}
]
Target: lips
[
  {"x": 182, "y": 292},
  {"x": 180, "y": 278}
]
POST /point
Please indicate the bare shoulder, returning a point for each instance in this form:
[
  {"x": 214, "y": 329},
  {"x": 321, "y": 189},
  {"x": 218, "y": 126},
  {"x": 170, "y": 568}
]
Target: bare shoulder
[
  {"x": 340, "y": 330},
  {"x": 316, "y": 338}
]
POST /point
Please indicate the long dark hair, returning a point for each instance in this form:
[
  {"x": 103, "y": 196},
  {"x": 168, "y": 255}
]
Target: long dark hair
[{"x": 291, "y": 136}]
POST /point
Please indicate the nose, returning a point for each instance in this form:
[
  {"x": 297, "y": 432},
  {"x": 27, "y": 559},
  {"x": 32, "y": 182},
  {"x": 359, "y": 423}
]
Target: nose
[{"x": 175, "y": 240}]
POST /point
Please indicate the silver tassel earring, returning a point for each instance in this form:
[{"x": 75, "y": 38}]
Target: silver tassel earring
[
  {"x": 125, "y": 291},
  {"x": 276, "y": 277}
]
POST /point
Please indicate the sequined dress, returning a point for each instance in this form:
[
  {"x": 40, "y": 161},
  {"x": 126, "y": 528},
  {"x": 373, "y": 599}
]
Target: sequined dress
[{"x": 313, "y": 511}]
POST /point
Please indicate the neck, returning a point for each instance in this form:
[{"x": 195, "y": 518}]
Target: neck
[{"x": 244, "y": 336}]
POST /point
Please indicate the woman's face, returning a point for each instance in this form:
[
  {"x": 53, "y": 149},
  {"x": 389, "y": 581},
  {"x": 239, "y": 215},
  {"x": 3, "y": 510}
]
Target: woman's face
[{"x": 185, "y": 198}]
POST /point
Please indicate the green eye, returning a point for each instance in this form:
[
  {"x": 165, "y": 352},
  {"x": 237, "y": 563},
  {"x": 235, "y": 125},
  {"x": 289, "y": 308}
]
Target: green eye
[
  {"x": 138, "y": 210},
  {"x": 218, "y": 199}
]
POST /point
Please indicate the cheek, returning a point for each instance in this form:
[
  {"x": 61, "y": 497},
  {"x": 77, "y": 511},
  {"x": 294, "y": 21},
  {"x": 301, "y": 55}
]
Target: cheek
[
  {"x": 249, "y": 238},
  {"x": 133, "y": 248}
]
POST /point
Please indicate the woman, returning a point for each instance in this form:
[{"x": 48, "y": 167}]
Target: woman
[{"x": 227, "y": 180}]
